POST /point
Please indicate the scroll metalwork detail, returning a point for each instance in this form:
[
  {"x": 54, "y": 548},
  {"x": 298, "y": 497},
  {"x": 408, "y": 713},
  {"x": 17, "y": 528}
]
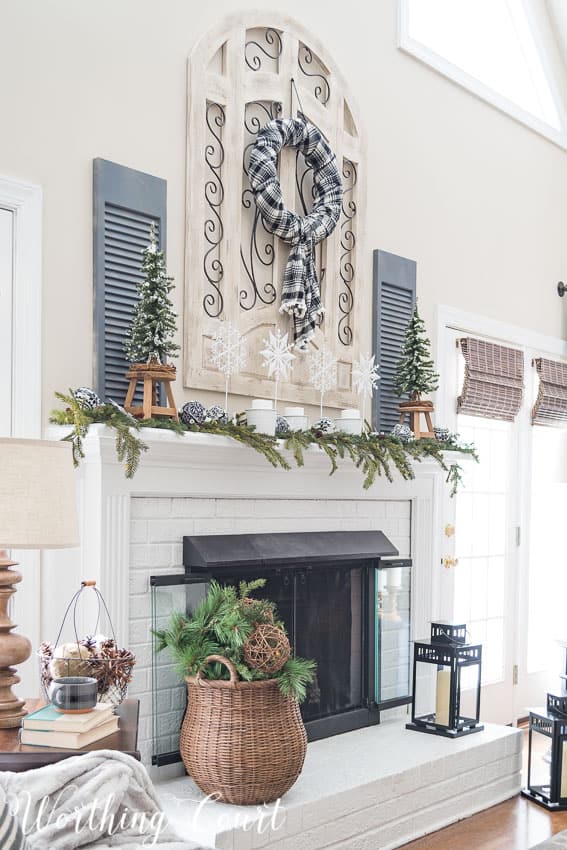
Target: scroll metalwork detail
[
  {"x": 256, "y": 248},
  {"x": 311, "y": 67},
  {"x": 213, "y": 301},
  {"x": 272, "y": 49},
  {"x": 347, "y": 246}
]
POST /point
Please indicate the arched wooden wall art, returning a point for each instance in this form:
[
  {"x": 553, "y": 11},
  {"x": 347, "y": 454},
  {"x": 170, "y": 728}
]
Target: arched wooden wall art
[{"x": 240, "y": 78}]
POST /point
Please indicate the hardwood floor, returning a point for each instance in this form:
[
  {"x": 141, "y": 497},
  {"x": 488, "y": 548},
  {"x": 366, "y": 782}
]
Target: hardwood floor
[{"x": 517, "y": 824}]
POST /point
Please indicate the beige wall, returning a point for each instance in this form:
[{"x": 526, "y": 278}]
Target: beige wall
[{"x": 477, "y": 199}]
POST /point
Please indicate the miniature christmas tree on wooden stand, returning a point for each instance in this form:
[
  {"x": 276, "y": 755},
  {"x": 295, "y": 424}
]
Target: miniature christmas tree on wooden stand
[
  {"x": 415, "y": 374},
  {"x": 149, "y": 340}
]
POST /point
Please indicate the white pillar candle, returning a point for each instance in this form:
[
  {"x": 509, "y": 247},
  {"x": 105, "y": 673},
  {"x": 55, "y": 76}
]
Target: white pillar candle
[
  {"x": 442, "y": 697},
  {"x": 350, "y": 413},
  {"x": 294, "y": 411},
  {"x": 260, "y": 404}
]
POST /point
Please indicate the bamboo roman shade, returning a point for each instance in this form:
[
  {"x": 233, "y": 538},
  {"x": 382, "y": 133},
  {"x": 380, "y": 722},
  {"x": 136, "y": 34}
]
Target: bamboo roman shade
[
  {"x": 494, "y": 380},
  {"x": 550, "y": 407}
]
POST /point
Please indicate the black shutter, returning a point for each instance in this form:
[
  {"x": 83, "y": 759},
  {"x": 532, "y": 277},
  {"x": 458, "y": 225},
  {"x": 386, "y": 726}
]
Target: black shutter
[
  {"x": 125, "y": 203},
  {"x": 394, "y": 300}
]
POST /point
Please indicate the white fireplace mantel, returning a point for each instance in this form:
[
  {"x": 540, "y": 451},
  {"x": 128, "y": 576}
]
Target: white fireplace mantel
[{"x": 204, "y": 466}]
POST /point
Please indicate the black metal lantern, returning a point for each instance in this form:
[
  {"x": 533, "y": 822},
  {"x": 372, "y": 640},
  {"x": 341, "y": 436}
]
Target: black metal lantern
[
  {"x": 547, "y": 755},
  {"x": 446, "y": 683}
]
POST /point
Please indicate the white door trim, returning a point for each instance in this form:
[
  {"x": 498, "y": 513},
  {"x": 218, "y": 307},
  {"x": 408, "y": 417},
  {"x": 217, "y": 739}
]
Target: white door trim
[{"x": 24, "y": 200}]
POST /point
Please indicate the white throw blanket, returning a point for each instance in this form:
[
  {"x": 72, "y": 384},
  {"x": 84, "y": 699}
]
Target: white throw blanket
[{"x": 101, "y": 800}]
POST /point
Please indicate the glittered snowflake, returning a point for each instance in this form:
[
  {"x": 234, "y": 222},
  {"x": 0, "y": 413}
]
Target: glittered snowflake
[
  {"x": 277, "y": 358},
  {"x": 365, "y": 375},
  {"x": 228, "y": 352},
  {"x": 277, "y": 355},
  {"x": 322, "y": 365}
]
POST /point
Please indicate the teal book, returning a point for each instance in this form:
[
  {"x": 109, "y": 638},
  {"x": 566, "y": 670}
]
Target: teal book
[{"x": 48, "y": 719}]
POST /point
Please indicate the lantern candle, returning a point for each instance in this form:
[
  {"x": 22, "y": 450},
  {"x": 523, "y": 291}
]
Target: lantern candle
[{"x": 442, "y": 697}]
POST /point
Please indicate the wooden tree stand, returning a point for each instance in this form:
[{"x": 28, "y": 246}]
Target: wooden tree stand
[
  {"x": 417, "y": 408},
  {"x": 152, "y": 374}
]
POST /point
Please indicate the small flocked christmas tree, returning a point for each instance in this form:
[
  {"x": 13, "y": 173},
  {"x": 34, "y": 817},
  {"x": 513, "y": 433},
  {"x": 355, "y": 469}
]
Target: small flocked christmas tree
[
  {"x": 155, "y": 321},
  {"x": 415, "y": 372}
]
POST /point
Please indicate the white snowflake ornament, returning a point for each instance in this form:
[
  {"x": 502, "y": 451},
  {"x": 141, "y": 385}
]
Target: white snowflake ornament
[
  {"x": 228, "y": 353},
  {"x": 322, "y": 365},
  {"x": 277, "y": 358},
  {"x": 365, "y": 377}
]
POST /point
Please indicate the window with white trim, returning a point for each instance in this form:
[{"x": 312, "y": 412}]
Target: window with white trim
[{"x": 492, "y": 47}]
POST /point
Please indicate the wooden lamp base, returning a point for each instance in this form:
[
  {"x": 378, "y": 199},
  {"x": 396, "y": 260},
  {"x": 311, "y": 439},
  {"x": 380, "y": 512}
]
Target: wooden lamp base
[
  {"x": 416, "y": 409},
  {"x": 14, "y": 649}
]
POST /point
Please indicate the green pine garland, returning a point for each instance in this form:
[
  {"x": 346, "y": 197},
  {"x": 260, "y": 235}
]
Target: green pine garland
[
  {"x": 220, "y": 625},
  {"x": 373, "y": 454},
  {"x": 415, "y": 373}
]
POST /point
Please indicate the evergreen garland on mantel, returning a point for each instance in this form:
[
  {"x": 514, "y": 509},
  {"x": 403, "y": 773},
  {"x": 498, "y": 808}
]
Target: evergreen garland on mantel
[{"x": 374, "y": 454}]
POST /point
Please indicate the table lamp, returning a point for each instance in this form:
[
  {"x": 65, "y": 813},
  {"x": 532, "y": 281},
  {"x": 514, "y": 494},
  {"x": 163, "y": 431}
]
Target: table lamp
[{"x": 37, "y": 511}]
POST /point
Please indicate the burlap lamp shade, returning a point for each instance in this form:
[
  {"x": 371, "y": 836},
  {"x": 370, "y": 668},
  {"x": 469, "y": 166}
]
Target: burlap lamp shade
[{"x": 37, "y": 511}]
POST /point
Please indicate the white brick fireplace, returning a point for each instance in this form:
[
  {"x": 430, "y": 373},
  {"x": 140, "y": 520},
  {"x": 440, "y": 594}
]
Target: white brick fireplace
[
  {"x": 378, "y": 786},
  {"x": 202, "y": 484}
]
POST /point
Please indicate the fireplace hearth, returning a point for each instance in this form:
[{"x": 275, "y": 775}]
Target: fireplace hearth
[{"x": 345, "y": 599}]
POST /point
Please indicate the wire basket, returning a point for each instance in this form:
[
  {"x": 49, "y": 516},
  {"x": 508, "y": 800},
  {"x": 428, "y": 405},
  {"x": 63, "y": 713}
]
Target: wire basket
[{"x": 111, "y": 666}]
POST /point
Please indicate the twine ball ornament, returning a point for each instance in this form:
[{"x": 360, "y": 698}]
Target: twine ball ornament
[
  {"x": 86, "y": 398},
  {"x": 70, "y": 659},
  {"x": 250, "y": 602},
  {"x": 193, "y": 413},
  {"x": 267, "y": 649}
]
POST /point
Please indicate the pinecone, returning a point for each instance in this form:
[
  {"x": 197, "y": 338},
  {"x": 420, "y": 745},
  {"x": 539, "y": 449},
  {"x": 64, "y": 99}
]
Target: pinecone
[{"x": 90, "y": 643}]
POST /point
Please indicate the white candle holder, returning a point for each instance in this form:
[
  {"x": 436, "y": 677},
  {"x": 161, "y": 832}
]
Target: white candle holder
[{"x": 262, "y": 416}]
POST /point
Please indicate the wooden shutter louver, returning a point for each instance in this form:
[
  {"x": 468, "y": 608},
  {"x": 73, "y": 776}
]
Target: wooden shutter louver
[
  {"x": 126, "y": 202},
  {"x": 394, "y": 301},
  {"x": 550, "y": 407},
  {"x": 494, "y": 380}
]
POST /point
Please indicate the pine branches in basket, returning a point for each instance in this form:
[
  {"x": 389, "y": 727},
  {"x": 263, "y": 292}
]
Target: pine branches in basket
[{"x": 229, "y": 622}]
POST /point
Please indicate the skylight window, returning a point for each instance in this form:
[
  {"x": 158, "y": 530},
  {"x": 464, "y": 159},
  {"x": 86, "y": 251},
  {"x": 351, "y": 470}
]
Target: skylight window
[{"x": 488, "y": 46}]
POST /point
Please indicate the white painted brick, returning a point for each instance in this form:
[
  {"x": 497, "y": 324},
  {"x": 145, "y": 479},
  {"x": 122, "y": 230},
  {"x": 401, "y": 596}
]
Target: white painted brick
[
  {"x": 138, "y": 531},
  {"x": 140, "y": 606},
  {"x": 139, "y": 582},
  {"x": 215, "y": 525},
  {"x": 168, "y": 530},
  {"x": 376, "y": 510},
  {"x": 142, "y": 507},
  {"x": 138, "y": 632},
  {"x": 234, "y": 507},
  {"x": 398, "y": 509},
  {"x": 191, "y": 508}
]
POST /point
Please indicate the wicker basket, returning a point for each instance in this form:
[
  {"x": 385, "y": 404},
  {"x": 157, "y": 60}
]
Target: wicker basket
[{"x": 244, "y": 742}]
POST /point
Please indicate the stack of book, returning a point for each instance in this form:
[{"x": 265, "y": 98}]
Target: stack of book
[{"x": 47, "y": 727}]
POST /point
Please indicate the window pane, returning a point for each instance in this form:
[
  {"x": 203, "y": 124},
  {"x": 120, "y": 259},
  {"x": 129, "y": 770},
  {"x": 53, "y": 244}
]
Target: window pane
[
  {"x": 491, "y": 40},
  {"x": 547, "y": 575},
  {"x": 480, "y": 541}
]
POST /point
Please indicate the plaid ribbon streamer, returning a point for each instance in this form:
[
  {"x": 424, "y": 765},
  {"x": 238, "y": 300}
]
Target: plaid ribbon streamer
[{"x": 301, "y": 296}]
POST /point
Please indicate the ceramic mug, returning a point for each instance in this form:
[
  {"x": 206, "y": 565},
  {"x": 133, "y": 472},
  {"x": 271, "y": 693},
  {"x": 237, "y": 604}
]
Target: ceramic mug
[{"x": 73, "y": 694}]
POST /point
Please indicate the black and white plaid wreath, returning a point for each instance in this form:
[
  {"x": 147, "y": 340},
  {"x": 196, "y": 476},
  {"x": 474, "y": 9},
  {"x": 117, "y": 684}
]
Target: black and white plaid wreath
[{"x": 301, "y": 295}]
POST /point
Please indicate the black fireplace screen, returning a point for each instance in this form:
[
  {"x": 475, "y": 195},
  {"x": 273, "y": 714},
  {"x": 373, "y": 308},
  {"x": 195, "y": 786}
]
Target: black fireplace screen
[{"x": 352, "y": 618}]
